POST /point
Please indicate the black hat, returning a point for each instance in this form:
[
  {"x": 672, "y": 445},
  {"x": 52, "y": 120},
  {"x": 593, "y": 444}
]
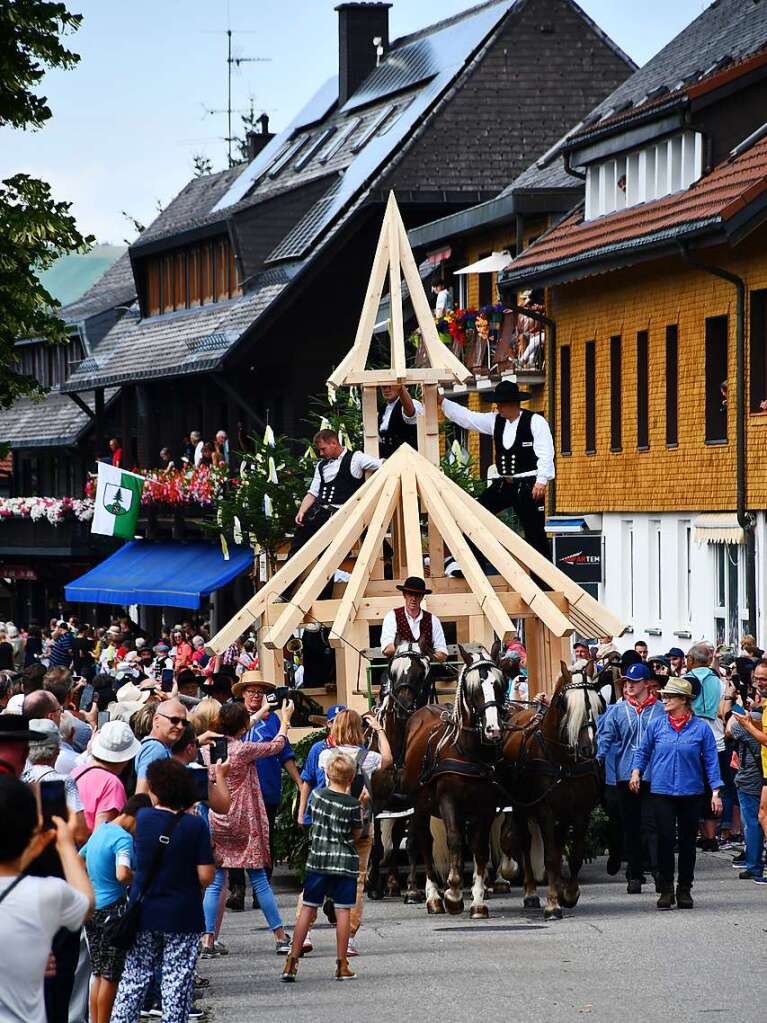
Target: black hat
[
  {"x": 507, "y": 391},
  {"x": 414, "y": 584},
  {"x": 15, "y": 728}
]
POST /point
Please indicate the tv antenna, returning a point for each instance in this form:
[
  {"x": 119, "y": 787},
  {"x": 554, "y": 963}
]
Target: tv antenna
[{"x": 233, "y": 62}]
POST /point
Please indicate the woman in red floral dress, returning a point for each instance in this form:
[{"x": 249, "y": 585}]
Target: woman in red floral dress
[{"x": 241, "y": 836}]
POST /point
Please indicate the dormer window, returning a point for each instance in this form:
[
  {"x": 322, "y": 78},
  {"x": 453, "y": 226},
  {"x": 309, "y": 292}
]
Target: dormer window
[{"x": 651, "y": 172}]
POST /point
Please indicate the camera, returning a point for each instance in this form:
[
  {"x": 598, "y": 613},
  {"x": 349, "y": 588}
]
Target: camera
[{"x": 277, "y": 698}]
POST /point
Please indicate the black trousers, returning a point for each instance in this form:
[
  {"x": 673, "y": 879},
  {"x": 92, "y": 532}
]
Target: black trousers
[
  {"x": 58, "y": 990},
  {"x": 676, "y": 817},
  {"x": 518, "y": 494},
  {"x": 614, "y": 823},
  {"x": 313, "y": 523},
  {"x": 640, "y": 839}
]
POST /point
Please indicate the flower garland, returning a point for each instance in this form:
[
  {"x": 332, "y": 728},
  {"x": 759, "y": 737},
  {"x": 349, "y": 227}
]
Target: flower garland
[
  {"x": 202, "y": 485},
  {"x": 54, "y": 509}
]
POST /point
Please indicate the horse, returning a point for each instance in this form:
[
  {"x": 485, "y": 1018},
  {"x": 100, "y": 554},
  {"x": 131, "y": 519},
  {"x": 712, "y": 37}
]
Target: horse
[
  {"x": 550, "y": 775},
  {"x": 447, "y": 769},
  {"x": 406, "y": 689}
]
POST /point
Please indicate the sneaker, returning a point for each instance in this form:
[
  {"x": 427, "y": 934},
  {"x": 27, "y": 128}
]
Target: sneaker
[
  {"x": 195, "y": 1014},
  {"x": 209, "y": 952},
  {"x": 200, "y": 982},
  {"x": 308, "y": 945},
  {"x": 221, "y": 948},
  {"x": 282, "y": 947},
  {"x": 634, "y": 887},
  {"x": 738, "y": 861},
  {"x": 351, "y": 949},
  {"x": 709, "y": 845},
  {"x": 759, "y": 880},
  {"x": 342, "y": 970},
  {"x": 747, "y": 875}
]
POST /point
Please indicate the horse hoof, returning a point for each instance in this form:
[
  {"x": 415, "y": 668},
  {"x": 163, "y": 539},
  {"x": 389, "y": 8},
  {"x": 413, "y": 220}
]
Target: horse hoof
[
  {"x": 569, "y": 901},
  {"x": 501, "y": 888},
  {"x": 479, "y": 913},
  {"x": 434, "y": 908},
  {"x": 531, "y": 902},
  {"x": 552, "y": 913},
  {"x": 413, "y": 898},
  {"x": 454, "y": 908}
]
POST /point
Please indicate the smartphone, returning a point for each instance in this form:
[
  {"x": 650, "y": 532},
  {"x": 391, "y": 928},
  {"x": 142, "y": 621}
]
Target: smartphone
[
  {"x": 53, "y": 801},
  {"x": 166, "y": 679},
  {"x": 219, "y": 750},
  {"x": 200, "y": 778},
  {"x": 278, "y": 697},
  {"x": 86, "y": 698},
  {"x": 102, "y": 718}
]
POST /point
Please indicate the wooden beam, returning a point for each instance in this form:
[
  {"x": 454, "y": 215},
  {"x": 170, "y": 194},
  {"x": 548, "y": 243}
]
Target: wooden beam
[
  {"x": 448, "y": 606},
  {"x": 370, "y": 421},
  {"x": 398, "y": 364},
  {"x": 82, "y": 405},
  {"x": 411, "y": 523},
  {"x": 475, "y": 577},
  {"x": 357, "y": 356},
  {"x": 417, "y": 375},
  {"x": 366, "y": 558},
  {"x": 346, "y": 528},
  {"x": 286, "y": 575}
]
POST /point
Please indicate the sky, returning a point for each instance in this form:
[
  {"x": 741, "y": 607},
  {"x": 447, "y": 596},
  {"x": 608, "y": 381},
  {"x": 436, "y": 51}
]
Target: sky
[{"x": 129, "y": 119}]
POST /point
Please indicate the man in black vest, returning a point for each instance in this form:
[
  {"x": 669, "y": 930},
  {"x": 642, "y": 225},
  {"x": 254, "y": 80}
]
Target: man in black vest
[
  {"x": 397, "y": 423},
  {"x": 524, "y": 457},
  {"x": 339, "y": 474}
]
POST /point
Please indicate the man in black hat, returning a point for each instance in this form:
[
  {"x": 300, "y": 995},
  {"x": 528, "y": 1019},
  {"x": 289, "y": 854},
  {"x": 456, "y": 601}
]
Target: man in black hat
[
  {"x": 15, "y": 737},
  {"x": 411, "y": 624},
  {"x": 397, "y": 423},
  {"x": 524, "y": 458}
]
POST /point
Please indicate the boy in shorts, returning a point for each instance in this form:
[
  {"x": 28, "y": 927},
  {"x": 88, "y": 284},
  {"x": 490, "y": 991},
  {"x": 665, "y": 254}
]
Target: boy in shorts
[{"x": 333, "y": 863}]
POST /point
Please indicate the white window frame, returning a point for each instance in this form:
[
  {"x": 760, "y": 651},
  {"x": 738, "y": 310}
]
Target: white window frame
[{"x": 629, "y": 582}]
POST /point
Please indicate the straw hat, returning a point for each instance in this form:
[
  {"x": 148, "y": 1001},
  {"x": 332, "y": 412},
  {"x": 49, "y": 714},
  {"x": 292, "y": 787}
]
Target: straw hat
[
  {"x": 132, "y": 694},
  {"x": 251, "y": 678},
  {"x": 677, "y": 687}
]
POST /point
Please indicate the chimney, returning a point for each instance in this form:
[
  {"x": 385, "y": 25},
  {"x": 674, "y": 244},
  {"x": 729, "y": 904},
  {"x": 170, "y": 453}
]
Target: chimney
[
  {"x": 257, "y": 140},
  {"x": 358, "y": 25}
]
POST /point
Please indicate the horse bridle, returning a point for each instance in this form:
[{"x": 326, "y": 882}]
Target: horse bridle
[
  {"x": 393, "y": 689},
  {"x": 584, "y": 686},
  {"x": 484, "y": 662}
]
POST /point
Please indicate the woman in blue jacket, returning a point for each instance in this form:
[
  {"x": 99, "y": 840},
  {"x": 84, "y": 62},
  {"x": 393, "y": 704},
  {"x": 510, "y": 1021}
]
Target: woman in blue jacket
[{"x": 678, "y": 752}]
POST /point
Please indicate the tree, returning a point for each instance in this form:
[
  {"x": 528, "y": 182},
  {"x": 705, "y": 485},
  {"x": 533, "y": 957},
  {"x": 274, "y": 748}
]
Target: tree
[
  {"x": 201, "y": 165},
  {"x": 34, "y": 229}
]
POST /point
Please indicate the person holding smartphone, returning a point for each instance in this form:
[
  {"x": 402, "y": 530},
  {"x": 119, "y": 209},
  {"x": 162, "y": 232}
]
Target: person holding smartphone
[{"x": 34, "y": 909}]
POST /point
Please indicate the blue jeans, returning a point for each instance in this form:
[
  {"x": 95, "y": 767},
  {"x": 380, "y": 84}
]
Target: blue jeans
[
  {"x": 261, "y": 887},
  {"x": 749, "y": 814}
]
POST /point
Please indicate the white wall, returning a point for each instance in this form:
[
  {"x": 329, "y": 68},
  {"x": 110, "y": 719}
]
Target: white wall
[{"x": 652, "y": 551}]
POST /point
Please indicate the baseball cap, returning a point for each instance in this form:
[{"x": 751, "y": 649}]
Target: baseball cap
[
  {"x": 675, "y": 651},
  {"x": 637, "y": 673}
]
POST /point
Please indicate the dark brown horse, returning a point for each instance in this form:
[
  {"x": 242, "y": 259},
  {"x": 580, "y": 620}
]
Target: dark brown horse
[
  {"x": 550, "y": 775},
  {"x": 405, "y": 690},
  {"x": 448, "y": 766}
]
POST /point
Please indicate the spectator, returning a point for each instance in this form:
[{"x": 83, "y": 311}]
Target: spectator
[
  {"x": 332, "y": 866},
  {"x": 209, "y": 455},
  {"x": 102, "y": 792},
  {"x": 40, "y": 766},
  {"x": 443, "y": 301},
  {"x": 641, "y": 648},
  {"x": 67, "y": 758},
  {"x": 108, "y": 856},
  {"x": 678, "y": 752},
  {"x": 708, "y": 690},
  {"x": 33, "y": 650},
  {"x": 182, "y": 651},
  {"x": 63, "y": 647},
  {"x": 241, "y": 837},
  {"x": 33, "y": 908},
  {"x": 312, "y": 776},
  {"x": 6, "y": 652},
  {"x": 117, "y": 452},
  {"x": 168, "y": 720},
  {"x": 749, "y": 782},
  {"x": 677, "y": 661},
  {"x": 166, "y": 460},
  {"x": 42, "y": 704},
  {"x": 171, "y": 919},
  {"x": 18, "y": 643},
  {"x": 83, "y": 662},
  {"x": 198, "y": 444},
  {"x": 222, "y": 446},
  {"x": 199, "y": 657}
]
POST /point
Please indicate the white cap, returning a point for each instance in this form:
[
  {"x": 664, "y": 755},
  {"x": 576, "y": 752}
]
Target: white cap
[
  {"x": 46, "y": 727},
  {"x": 114, "y": 743},
  {"x": 15, "y": 704}
]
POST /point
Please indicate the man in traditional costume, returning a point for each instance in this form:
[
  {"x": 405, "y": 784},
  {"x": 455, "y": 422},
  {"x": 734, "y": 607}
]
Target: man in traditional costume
[
  {"x": 397, "y": 423},
  {"x": 411, "y": 624}
]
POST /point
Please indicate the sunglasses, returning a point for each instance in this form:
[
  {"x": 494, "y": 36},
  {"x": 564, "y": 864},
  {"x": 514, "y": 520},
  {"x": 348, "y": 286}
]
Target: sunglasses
[{"x": 173, "y": 720}]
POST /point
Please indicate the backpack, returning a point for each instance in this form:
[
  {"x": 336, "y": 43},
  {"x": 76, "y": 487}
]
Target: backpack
[{"x": 359, "y": 785}]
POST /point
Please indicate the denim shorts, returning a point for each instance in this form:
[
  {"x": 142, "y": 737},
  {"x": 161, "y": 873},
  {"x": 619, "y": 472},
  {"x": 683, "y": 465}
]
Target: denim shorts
[{"x": 318, "y": 887}]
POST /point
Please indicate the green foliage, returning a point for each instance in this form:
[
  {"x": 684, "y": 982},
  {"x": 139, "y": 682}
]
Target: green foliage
[
  {"x": 201, "y": 165},
  {"x": 339, "y": 410},
  {"x": 291, "y": 843},
  {"x": 261, "y": 507},
  {"x": 34, "y": 229}
]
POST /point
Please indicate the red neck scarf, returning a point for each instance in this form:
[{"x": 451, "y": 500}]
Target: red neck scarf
[
  {"x": 678, "y": 723},
  {"x": 647, "y": 702}
]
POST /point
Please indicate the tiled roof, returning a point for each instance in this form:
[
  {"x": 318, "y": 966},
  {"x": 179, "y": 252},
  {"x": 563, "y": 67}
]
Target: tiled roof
[
  {"x": 726, "y": 32},
  {"x": 54, "y": 421},
  {"x": 116, "y": 287},
  {"x": 706, "y": 205},
  {"x": 174, "y": 344}
]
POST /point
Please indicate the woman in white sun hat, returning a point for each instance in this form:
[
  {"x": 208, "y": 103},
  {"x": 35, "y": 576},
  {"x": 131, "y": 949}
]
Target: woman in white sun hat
[{"x": 98, "y": 783}]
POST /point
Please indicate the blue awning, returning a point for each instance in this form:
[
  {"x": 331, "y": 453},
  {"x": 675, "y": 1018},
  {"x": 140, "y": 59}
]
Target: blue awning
[{"x": 160, "y": 574}]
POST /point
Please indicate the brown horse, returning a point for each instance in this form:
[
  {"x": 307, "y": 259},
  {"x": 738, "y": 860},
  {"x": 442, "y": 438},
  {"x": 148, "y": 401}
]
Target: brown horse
[
  {"x": 550, "y": 775},
  {"x": 448, "y": 771}
]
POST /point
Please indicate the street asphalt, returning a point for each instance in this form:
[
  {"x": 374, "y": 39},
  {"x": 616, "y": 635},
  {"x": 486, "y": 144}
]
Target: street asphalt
[{"x": 613, "y": 958}]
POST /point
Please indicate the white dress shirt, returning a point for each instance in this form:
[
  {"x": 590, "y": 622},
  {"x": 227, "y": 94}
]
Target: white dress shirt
[
  {"x": 198, "y": 453},
  {"x": 410, "y": 420},
  {"x": 360, "y": 464},
  {"x": 442, "y": 303},
  {"x": 389, "y": 631},
  {"x": 484, "y": 422}
]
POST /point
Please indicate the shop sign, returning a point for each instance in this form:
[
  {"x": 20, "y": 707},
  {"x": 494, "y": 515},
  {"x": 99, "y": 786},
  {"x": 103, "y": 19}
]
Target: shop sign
[
  {"x": 17, "y": 572},
  {"x": 579, "y": 557}
]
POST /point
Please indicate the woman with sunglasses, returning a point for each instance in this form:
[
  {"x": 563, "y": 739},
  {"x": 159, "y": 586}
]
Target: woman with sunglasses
[{"x": 679, "y": 753}]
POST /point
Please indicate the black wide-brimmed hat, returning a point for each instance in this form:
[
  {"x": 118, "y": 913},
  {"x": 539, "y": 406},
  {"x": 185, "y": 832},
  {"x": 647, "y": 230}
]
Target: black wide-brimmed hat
[
  {"x": 15, "y": 728},
  {"x": 509, "y": 391},
  {"x": 414, "y": 584}
]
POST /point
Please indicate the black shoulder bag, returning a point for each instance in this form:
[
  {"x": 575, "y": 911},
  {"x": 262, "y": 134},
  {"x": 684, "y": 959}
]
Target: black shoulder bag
[{"x": 120, "y": 930}]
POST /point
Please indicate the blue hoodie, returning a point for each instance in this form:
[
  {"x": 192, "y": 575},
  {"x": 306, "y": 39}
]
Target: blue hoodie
[{"x": 620, "y": 734}]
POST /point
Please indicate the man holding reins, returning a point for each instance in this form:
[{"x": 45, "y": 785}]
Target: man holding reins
[{"x": 411, "y": 624}]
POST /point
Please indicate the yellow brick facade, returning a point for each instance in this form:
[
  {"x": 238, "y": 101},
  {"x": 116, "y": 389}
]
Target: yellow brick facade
[{"x": 692, "y": 475}]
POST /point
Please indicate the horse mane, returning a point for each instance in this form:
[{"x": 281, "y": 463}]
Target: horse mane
[{"x": 580, "y": 705}]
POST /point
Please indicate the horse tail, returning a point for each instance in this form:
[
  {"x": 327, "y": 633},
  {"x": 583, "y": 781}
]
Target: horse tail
[{"x": 440, "y": 850}]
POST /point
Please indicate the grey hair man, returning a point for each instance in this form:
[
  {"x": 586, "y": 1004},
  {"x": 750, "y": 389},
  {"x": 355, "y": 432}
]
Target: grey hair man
[
  {"x": 708, "y": 694},
  {"x": 41, "y": 760}
]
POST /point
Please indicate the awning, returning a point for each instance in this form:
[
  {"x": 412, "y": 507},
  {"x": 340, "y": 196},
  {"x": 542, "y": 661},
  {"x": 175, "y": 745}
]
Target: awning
[
  {"x": 489, "y": 265},
  {"x": 718, "y": 527},
  {"x": 160, "y": 574},
  {"x": 562, "y": 525}
]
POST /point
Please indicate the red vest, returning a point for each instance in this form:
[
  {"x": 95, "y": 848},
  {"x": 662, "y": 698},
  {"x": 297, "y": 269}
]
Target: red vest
[{"x": 405, "y": 635}]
